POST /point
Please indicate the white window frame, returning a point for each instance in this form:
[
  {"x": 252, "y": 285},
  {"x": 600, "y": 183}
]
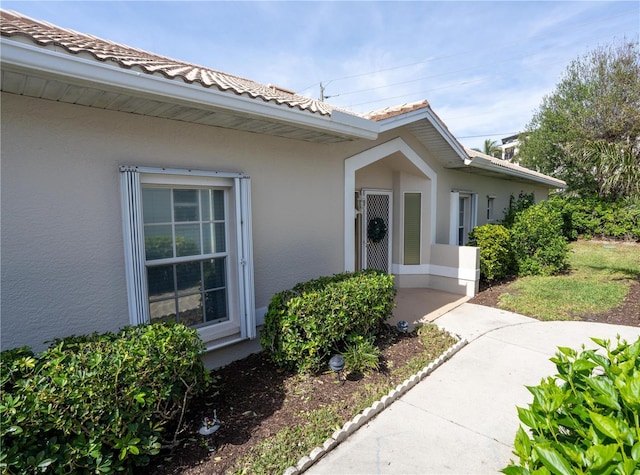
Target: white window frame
[
  {"x": 454, "y": 214},
  {"x": 241, "y": 300},
  {"x": 491, "y": 202}
]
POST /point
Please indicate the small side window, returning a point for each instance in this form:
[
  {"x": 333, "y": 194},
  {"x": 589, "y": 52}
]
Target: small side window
[{"x": 490, "y": 205}]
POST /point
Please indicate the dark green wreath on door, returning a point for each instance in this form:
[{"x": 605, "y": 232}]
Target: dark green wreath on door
[{"x": 376, "y": 229}]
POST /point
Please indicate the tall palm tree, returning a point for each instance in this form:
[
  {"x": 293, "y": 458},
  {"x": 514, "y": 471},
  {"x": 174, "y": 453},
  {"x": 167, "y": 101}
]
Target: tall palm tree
[{"x": 491, "y": 147}]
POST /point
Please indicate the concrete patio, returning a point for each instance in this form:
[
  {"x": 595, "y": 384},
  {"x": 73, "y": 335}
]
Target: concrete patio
[{"x": 417, "y": 306}]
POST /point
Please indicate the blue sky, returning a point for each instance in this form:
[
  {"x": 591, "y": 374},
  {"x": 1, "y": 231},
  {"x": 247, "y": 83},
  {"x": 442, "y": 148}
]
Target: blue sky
[{"x": 483, "y": 66}]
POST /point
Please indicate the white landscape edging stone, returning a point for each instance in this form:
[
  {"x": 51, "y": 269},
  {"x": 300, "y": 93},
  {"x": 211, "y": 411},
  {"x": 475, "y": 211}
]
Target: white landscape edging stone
[{"x": 372, "y": 411}]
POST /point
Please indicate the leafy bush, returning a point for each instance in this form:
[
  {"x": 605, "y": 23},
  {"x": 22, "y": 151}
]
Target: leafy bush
[
  {"x": 496, "y": 256},
  {"x": 537, "y": 240},
  {"x": 98, "y": 403},
  {"x": 586, "y": 418},
  {"x": 304, "y": 325},
  {"x": 516, "y": 206}
]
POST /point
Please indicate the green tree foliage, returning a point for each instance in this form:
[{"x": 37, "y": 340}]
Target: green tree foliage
[{"x": 587, "y": 131}]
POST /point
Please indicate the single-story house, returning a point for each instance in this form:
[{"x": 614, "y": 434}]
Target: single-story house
[{"x": 138, "y": 188}]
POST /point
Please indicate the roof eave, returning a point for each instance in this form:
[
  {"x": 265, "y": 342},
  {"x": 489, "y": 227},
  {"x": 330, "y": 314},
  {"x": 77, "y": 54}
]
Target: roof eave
[
  {"x": 524, "y": 174},
  {"x": 426, "y": 113},
  {"x": 24, "y": 57}
]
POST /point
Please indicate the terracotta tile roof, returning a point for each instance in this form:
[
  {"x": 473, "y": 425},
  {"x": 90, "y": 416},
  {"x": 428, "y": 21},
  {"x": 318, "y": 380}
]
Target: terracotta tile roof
[
  {"x": 499, "y": 163},
  {"x": 48, "y": 35},
  {"x": 389, "y": 112}
]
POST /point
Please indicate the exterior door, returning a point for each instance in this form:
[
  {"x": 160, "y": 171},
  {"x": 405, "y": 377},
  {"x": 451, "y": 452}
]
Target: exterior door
[{"x": 375, "y": 229}]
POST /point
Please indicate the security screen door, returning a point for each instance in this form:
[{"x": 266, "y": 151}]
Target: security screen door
[{"x": 376, "y": 229}]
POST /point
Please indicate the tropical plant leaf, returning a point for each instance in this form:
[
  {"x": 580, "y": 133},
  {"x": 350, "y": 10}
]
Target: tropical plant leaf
[
  {"x": 553, "y": 460},
  {"x": 598, "y": 456},
  {"x": 605, "y": 424}
]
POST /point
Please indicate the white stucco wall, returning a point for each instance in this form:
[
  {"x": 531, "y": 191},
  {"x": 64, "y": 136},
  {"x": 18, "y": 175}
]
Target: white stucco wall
[{"x": 62, "y": 249}]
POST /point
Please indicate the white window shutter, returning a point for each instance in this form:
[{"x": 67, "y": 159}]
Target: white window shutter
[
  {"x": 134, "y": 245},
  {"x": 474, "y": 212},
  {"x": 454, "y": 210},
  {"x": 245, "y": 261}
]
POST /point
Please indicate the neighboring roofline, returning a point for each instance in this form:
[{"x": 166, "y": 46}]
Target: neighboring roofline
[
  {"x": 23, "y": 57},
  {"x": 426, "y": 113},
  {"x": 487, "y": 162},
  {"x": 422, "y": 111}
]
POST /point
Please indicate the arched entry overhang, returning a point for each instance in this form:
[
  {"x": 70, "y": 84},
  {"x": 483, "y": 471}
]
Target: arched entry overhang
[{"x": 368, "y": 157}]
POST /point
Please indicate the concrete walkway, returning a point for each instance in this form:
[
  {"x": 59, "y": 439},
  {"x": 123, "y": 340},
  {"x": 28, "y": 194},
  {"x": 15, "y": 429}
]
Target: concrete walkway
[{"x": 462, "y": 418}]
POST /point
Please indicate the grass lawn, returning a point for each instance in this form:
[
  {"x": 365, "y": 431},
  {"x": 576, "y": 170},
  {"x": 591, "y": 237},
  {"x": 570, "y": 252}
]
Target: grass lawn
[{"x": 599, "y": 279}]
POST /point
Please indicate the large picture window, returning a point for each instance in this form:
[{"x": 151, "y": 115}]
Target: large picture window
[
  {"x": 188, "y": 249},
  {"x": 186, "y": 253}
]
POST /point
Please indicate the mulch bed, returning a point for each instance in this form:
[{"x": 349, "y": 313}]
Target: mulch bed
[{"x": 260, "y": 398}]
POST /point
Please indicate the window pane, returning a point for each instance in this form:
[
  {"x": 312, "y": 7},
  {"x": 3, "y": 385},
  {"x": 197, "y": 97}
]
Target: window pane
[
  {"x": 163, "y": 311},
  {"x": 188, "y": 276},
  {"x": 156, "y": 205},
  {"x": 412, "y": 214},
  {"x": 187, "y": 240},
  {"x": 214, "y": 273},
  {"x": 208, "y": 244},
  {"x": 185, "y": 205},
  {"x": 158, "y": 242},
  {"x": 160, "y": 281},
  {"x": 190, "y": 309},
  {"x": 186, "y": 222},
  {"x": 206, "y": 201},
  {"x": 216, "y": 306},
  {"x": 218, "y": 205},
  {"x": 221, "y": 243}
]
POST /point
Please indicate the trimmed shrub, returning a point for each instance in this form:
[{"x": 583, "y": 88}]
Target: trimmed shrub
[
  {"x": 585, "y": 419},
  {"x": 98, "y": 403},
  {"x": 496, "y": 256},
  {"x": 305, "y": 325},
  {"x": 537, "y": 241}
]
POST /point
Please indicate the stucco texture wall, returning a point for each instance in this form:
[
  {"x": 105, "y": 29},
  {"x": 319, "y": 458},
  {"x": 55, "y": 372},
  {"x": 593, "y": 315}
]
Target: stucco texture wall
[{"x": 62, "y": 247}]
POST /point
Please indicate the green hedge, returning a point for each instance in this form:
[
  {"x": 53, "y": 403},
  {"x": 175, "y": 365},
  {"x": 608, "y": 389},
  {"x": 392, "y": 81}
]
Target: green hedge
[
  {"x": 99, "y": 403},
  {"x": 595, "y": 218},
  {"x": 305, "y": 325},
  {"x": 586, "y": 419}
]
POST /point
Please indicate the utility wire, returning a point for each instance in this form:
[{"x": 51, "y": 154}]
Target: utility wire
[
  {"x": 504, "y": 45},
  {"x": 445, "y": 74}
]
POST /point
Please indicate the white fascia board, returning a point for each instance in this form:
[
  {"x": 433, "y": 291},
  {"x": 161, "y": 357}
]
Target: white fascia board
[
  {"x": 482, "y": 163},
  {"x": 428, "y": 114},
  {"x": 80, "y": 71}
]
